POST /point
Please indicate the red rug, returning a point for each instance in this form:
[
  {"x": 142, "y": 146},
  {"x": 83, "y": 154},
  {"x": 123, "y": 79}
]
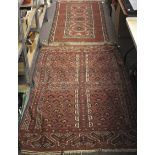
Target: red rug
[
  {"x": 79, "y": 21},
  {"x": 82, "y": 99}
]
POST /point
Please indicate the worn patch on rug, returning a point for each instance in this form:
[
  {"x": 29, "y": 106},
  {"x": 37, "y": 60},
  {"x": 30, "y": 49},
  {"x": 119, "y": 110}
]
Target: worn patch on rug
[
  {"x": 82, "y": 98},
  {"x": 79, "y": 22}
]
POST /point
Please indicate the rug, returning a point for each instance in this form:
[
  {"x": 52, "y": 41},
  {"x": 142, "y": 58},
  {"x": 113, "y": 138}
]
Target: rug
[
  {"x": 82, "y": 99},
  {"x": 79, "y": 21}
]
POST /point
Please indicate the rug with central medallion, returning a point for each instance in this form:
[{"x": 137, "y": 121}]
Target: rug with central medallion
[
  {"x": 79, "y": 21},
  {"x": 82, "y": 99}
]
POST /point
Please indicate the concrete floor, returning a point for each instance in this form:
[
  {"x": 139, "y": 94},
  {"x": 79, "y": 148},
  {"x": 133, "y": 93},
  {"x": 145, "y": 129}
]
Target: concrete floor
[{"x": 46, "y": 28}]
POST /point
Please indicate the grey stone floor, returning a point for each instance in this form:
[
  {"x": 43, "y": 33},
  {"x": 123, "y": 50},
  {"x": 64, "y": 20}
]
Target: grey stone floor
[{"x": 46, "y": 28}]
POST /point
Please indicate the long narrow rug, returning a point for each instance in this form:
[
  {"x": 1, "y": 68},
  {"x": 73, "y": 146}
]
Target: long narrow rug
[
  {"x": 82, "y": 100},
  {"x": 78, "y": 21}
]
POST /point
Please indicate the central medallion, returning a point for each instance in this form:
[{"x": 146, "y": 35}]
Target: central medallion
[{"x": 79, "y": 23}]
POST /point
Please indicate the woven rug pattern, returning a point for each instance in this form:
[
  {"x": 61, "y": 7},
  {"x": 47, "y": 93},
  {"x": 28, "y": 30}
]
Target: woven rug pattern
[{"x": 83, "y": 98}]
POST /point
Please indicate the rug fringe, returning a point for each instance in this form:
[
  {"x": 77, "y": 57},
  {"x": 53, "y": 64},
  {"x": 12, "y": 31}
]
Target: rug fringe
[
  {"x": 24, "y": 152},
  {"x": 79, "y": 43}
]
